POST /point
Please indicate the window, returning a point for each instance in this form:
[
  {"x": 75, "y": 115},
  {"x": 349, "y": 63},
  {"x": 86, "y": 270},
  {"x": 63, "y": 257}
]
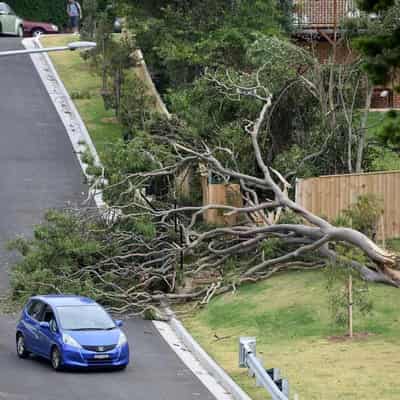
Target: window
[
  {"x": 5, "y": 8},
  {"x": 84, "y": 318},
  {"x": 34, "y": 309},
  {"x": 47, "y": 314}
]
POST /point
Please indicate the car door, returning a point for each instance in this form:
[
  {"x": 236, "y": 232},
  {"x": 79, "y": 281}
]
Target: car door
[
  {"x": 8, "y": 20},
  {"x": 47, "y": 334},
  {"x": 31, "y": 322}
]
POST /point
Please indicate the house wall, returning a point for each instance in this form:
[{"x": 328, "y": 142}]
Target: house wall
[
  {"x": 392, "y": 100},
  {"x": 344, "y": 55},
  {"x": 323, "y": 50}
]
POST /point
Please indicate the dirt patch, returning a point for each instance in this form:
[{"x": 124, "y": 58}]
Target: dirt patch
[{"x": 356, "y": 336}]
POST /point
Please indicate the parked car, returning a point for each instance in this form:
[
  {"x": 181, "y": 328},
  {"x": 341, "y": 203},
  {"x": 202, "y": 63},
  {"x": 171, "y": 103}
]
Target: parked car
[
  {"x": 10, "y": 23},
  {"x": 71, "y": 331},
  {"x": 32, "y": 28}
]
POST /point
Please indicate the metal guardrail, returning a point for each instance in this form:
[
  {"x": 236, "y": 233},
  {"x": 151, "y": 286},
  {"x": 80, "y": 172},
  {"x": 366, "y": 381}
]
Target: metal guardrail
[{"x": 270, "y": 379}]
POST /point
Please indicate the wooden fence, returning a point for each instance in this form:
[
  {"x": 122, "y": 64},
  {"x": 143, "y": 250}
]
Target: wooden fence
[
  {"x": 222, "y": 194},
  {"x": 328, "y": 195}
]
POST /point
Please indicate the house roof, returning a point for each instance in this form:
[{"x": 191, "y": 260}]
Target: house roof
[{"x": 323, "y": 13}]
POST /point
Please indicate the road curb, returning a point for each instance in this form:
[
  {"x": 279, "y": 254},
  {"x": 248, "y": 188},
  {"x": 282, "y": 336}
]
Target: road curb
[
  {"x": 70, "y": 117},
  {"x": 206, "y": 361}
]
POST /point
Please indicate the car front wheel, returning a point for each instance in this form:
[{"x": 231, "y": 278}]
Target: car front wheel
[
  {"x": 56, "y": 359},
  {"x": 37, "y": 32},
  {"x": 21, "y": 349}
]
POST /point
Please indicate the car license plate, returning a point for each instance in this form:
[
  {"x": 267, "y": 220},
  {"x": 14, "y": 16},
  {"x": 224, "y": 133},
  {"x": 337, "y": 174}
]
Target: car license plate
[{"x": 101, "y": 356}]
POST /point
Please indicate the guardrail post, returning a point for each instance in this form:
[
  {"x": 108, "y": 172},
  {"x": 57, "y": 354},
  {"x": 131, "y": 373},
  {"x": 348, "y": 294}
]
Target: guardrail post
[
  {"x": 285, "y": 387},
  {"x": 246, "y": 342},
  {"x": 274, "y": 373}
]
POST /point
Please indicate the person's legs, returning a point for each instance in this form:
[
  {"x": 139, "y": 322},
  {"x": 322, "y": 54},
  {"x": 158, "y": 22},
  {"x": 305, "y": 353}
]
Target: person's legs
[
  {"x": 77, "y": 25},
  {"x": 74, "y": 24}
]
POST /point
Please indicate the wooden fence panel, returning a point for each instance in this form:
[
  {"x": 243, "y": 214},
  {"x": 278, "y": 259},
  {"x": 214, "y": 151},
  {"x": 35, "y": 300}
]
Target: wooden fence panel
[
  {"x": 327, "y": 196},
  {"x": 222, "y": 194}
]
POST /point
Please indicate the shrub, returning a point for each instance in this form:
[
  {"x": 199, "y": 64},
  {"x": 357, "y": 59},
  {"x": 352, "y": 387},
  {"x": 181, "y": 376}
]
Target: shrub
[
  {"x": 61, "y": 246},
  {"x": 41, "y": 10},
  {"x": 363, "y": 215}
]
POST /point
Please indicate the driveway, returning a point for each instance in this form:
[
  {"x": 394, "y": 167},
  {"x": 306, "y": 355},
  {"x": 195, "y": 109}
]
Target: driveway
[{"x": 38, "y": 170}]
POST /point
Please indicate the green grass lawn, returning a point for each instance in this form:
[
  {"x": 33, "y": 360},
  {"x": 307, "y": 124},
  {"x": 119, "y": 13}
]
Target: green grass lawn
[
  {"x": 79, "y": 79},
  {"x": 289, "y": 316}
]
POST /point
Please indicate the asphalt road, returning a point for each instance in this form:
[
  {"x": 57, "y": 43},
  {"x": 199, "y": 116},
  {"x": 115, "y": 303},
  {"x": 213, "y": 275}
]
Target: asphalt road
[{"x": 38, "y": 170}]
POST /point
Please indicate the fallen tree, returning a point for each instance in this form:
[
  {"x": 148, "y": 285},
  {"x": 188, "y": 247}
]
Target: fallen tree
[{"x": 153, "y": 250}]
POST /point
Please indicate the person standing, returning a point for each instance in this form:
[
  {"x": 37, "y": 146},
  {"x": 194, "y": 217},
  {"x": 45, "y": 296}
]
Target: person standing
[{"x": 74, "y": 11}]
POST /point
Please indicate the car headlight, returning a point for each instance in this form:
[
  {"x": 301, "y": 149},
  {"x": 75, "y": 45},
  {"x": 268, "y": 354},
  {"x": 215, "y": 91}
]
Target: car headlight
[
  {"x": 122, "y": 339},
  {"x": 54, "y": 27},
  {"x": 70, "y": 341}
]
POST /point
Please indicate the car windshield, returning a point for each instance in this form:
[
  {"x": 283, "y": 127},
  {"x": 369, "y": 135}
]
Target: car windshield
[{"x": 84, "y": 318}]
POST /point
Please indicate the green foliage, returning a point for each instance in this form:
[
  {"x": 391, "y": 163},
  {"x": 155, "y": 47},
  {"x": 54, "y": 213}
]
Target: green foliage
[
  {"x": 363, "y": 215},
  {"x": 289, "y": 217},
  {"x": 81, "y": 95},
  {"x": 139, "y": 155},
  {"x": 62, "y": 245},
  {"x": 89, "y": 23},
  {"x": 271, "y": 248},
  {"x": 144, "y": 227},
  {"x": 380, "y": 41},
  {"x": 41, "y": 10},
  {"x": 112, "y": 58},
  {"x": 389, "y": 131},
  {"x": 375, "y": 5},
  {"x": 181, "y": 38},
  {"x": 136, "y": 106},
  {"x": 383, "y": 159}
]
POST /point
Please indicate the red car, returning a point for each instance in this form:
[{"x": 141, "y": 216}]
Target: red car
[{"x": 36, "y": 28}]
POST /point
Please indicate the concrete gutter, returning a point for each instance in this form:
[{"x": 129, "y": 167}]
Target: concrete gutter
[
  {"x": 206, "y": 361},
  {"x": 75, "y": 127}
]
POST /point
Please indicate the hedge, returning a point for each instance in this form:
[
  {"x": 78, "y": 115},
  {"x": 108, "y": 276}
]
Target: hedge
[{"x": 42, "y": 10}]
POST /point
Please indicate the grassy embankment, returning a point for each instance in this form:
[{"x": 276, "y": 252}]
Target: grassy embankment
[
  {"x": 80, "y": 81},
  {"x": 289, "y": 316}
]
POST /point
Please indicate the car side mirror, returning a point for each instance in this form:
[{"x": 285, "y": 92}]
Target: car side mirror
[
  {"x": 119, "y": 323},
  {"x": 44, "y": 325}
]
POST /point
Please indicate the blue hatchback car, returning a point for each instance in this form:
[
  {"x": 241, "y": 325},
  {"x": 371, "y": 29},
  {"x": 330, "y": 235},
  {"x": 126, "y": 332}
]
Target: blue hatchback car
[{"x": 71, "y": 331}]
